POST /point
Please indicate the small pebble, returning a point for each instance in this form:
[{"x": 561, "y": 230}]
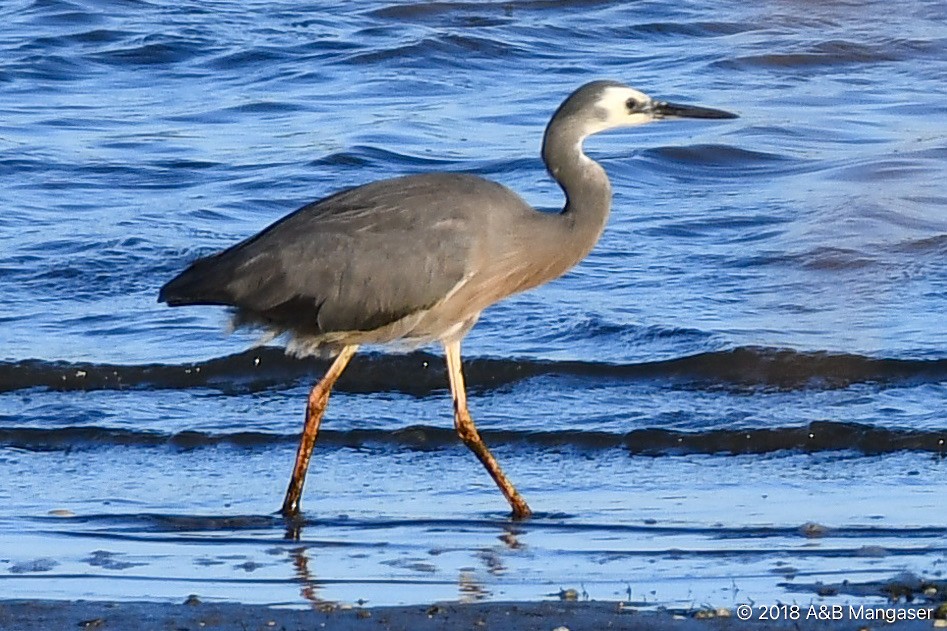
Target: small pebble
[
  {"x": 61, "y": 512},
  {"x": 568, "y": 594},
  {"x": 813, "y": 530}
]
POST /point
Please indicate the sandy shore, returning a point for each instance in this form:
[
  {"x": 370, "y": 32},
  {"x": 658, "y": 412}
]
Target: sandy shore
[{"x": 47, "y": 615}]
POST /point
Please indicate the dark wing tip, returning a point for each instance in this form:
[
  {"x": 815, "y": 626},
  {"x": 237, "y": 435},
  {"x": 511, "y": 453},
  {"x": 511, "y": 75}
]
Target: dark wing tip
[{"x": 193, "y": 286}]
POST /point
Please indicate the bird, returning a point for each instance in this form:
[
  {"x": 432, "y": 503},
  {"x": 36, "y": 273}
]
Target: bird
[{"x": 415, "y": 259}]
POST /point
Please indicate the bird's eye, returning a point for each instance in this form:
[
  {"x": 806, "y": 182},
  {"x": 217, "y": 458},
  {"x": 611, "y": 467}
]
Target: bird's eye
[{"x": 631, "y": 104}]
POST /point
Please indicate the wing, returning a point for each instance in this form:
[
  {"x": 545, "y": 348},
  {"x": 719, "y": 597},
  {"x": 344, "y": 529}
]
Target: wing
[{"x": 355, "y": 261}]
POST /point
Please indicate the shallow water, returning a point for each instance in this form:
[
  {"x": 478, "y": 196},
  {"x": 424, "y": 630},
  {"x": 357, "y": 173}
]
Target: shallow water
[{"x": 757, "y": 342}]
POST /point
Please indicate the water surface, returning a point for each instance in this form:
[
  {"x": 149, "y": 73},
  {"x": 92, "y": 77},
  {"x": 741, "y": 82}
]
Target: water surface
[{"x": 756, "y": 344}]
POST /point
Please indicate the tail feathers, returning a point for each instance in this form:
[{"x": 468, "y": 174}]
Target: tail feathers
[{"x": 200, "y": 284}]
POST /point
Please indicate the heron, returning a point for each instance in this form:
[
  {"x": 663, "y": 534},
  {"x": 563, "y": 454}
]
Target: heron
[{"x": 416, "y": 259}]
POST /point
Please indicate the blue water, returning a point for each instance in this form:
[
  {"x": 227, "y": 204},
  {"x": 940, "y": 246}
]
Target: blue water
[{"x": 757, "y": 342}]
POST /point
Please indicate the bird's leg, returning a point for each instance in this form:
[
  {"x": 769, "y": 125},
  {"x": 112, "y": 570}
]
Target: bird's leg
[
  {"x": 315, "y": 408},
  {"x": 471, "y": 437}
]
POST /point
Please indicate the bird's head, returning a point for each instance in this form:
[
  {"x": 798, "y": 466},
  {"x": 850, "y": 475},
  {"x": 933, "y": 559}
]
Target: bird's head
[{"x": 603, "y": 105}]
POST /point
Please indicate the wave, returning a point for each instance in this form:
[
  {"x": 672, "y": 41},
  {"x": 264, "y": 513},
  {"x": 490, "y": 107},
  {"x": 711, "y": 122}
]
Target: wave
[
  {"x": 838, "y": 52},
  {"x": 815, "y": 437},
  {"x": 227, "y": 527},
  {"x": 421, "y": 373}
]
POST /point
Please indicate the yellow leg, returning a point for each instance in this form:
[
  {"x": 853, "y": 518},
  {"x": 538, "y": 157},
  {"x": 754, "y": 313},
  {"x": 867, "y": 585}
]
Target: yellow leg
[
  {"x": 471, "y": 437},
  {"x": 318, "y": 399}
]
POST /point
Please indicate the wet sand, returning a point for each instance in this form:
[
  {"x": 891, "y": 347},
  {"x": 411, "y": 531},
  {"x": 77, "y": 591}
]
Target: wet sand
[{"x": 45, "y": 615}]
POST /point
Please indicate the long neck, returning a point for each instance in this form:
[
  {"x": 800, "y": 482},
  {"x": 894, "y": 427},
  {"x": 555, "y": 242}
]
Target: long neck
[{"x": 587, "y": 189}]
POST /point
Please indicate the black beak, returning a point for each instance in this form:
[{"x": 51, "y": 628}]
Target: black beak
[{"x": 663, "y": 109}]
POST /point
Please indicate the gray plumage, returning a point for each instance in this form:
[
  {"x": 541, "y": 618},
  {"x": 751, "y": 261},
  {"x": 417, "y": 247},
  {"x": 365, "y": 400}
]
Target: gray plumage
[
  {"x": 417, "y": 257},
  {"x": 369, "y": 263},
  {"x": 414, "y": 258}
]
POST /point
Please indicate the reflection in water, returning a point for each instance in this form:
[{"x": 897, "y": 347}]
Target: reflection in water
[
  {"x": 469, "y": 588},
  {"x": 294, "y": 528},
  {"x": 491, "y": 559},
  {"x": 510, "y": 537},
  {"x": 308, "y": 586}
]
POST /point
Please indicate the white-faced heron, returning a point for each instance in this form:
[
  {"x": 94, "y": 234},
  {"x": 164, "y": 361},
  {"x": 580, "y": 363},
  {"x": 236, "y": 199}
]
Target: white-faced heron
[{"x": 417, "y": 258}]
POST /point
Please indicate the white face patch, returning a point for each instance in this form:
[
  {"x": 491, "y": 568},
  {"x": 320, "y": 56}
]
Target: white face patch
[{"x": 613, "y": 109}]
